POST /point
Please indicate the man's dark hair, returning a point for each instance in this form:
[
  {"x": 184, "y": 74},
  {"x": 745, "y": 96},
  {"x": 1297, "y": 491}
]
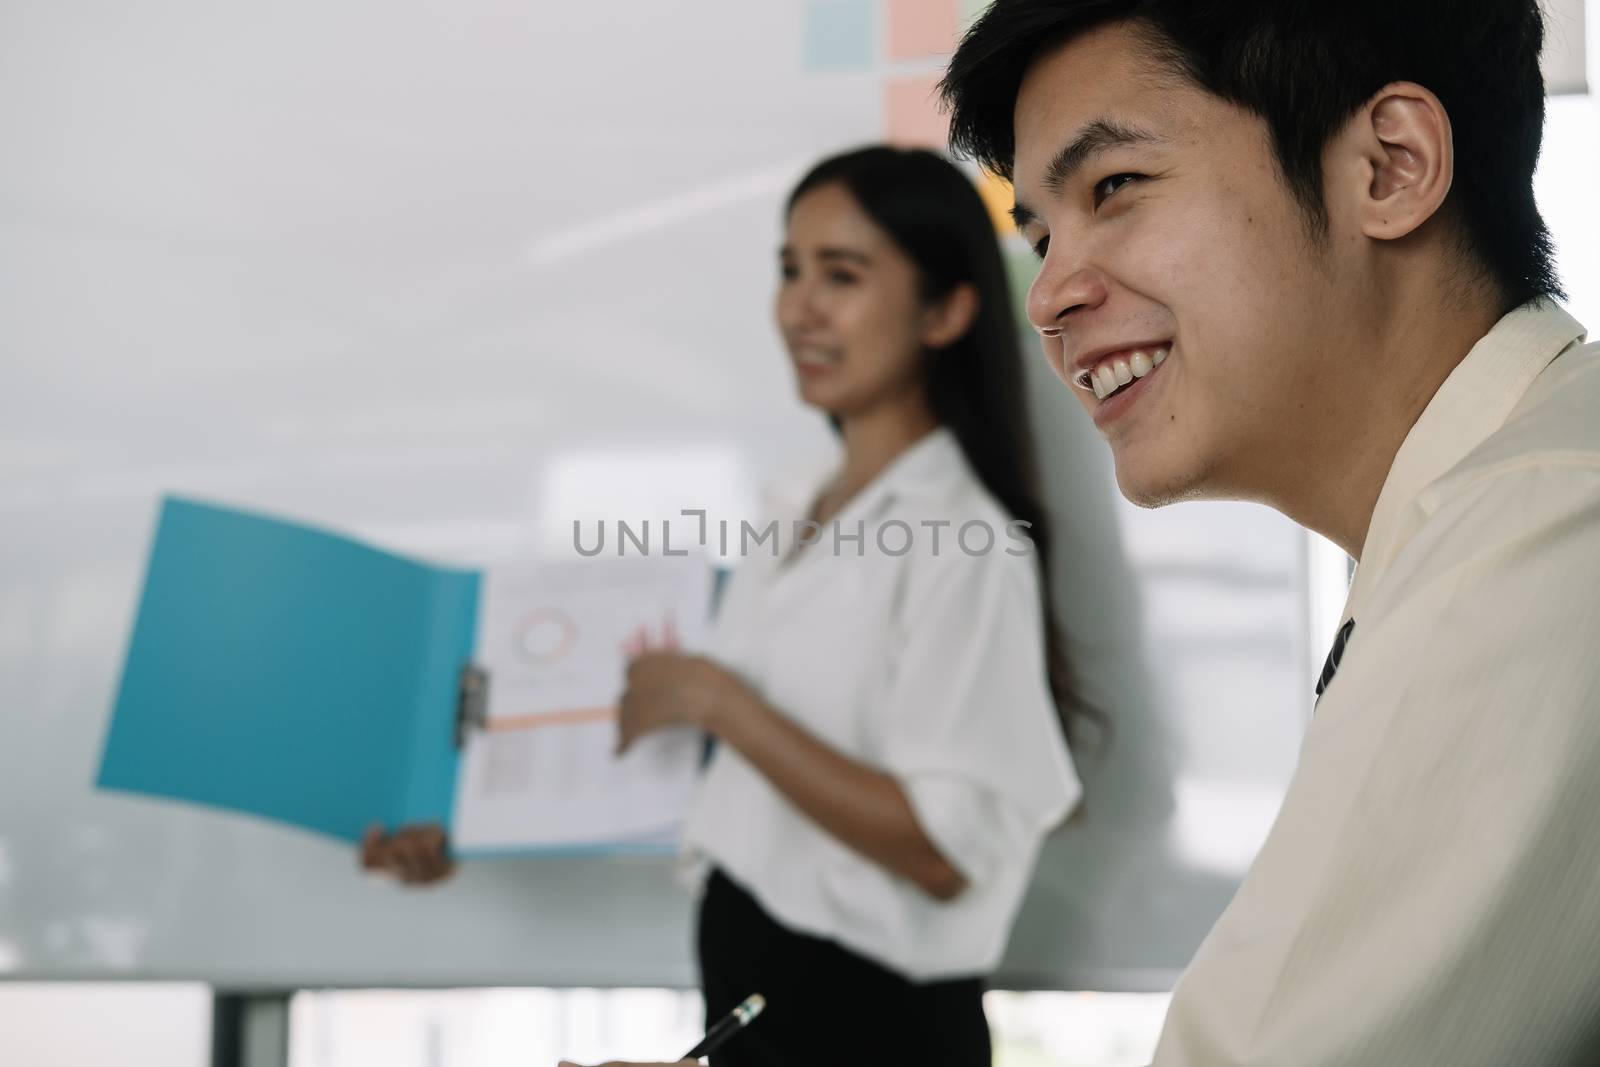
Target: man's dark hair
[{"x": 1306, "y": 66}]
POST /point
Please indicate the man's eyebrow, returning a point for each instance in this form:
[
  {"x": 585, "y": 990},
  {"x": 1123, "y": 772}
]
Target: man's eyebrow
[{"x": 1099, "y": 136}]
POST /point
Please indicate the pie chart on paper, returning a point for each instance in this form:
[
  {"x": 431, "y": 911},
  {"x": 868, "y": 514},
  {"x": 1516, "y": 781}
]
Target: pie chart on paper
[{"x": 543, "y": 636}]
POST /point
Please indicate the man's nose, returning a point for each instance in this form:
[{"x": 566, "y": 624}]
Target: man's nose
[{"x": 1061, "y": 287}]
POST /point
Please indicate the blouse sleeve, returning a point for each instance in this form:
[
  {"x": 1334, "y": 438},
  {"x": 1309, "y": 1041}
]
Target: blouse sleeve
[{"x": 968, "y": 725}]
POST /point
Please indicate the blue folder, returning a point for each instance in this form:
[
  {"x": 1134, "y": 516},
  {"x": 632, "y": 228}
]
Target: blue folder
[{"x": 292, "y": 673}]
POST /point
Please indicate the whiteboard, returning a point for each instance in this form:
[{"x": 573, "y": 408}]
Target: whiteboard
[{"x": 441, "y": 276}]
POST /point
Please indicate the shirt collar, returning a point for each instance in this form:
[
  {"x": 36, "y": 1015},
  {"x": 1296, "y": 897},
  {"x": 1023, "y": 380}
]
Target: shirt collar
[
  {"x": 1472, "y": 404},
  {"x": 927, "y": 470}
]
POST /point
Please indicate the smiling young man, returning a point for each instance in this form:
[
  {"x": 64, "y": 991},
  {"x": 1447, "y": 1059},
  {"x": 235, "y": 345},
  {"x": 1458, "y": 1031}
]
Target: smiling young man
[{"x": 1290, "y": 254}]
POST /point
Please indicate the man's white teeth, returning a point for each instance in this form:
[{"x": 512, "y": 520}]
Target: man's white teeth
[{"x": 1113, "y": 374}]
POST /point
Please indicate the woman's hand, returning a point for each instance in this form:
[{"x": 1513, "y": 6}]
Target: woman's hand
[
  {"x": 673, "y": 689},
  {"x": 416, "y": 855}
]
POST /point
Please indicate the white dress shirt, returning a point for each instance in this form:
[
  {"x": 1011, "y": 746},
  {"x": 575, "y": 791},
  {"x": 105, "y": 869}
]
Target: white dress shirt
[
  {"x": 1430, "y": 892},
  {"x": 927, "y": 664}
]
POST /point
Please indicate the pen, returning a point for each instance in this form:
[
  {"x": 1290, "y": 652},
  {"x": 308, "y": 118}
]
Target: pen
[{"x": 730, "y": 1024}]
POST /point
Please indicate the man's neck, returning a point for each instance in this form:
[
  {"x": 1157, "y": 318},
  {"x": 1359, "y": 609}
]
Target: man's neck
[{"x": 1338, "y": 489}]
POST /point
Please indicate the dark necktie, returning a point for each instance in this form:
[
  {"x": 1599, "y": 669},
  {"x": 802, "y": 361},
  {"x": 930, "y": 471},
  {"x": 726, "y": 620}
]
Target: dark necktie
[{"x": 1331, "y": 667}]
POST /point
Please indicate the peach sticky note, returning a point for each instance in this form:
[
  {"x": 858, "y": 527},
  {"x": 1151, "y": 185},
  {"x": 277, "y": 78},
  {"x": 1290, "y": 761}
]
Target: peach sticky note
[
  {"x": 912, "y": 115},
  {"x": 921, "y": 28}
]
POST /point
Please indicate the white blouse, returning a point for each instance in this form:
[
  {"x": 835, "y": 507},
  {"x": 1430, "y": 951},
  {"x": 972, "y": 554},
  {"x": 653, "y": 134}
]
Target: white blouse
[{"x": 914, "y": 650}]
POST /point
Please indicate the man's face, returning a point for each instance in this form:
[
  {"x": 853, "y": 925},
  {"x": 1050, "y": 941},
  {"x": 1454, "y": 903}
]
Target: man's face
[{"x": 1174, "y": 250}]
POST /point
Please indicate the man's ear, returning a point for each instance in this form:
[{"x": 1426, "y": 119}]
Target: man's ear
[
  {"x": 947, "y": 319},
  {"x": 1404, "y": 134}
]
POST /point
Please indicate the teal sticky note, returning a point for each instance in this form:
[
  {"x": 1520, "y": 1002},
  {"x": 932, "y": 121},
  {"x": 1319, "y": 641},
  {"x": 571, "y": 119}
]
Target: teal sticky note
[{"x": 840, "y": 35}]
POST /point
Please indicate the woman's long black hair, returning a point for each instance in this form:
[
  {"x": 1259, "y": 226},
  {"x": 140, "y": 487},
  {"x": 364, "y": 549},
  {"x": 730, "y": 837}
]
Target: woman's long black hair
[{"x": 975, "y": 385}]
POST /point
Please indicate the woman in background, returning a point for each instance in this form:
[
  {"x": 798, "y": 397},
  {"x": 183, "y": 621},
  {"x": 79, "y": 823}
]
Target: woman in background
[
  {"x": 889, "y": 708},
  {"x": 890, "y": 755}
]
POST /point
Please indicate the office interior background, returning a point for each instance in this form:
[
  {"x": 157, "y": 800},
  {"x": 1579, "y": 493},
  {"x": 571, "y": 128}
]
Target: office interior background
[{"x": 450, "y": 278}]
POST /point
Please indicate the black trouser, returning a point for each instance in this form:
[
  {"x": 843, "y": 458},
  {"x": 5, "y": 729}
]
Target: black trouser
[{"x": 826, "y": 1005}]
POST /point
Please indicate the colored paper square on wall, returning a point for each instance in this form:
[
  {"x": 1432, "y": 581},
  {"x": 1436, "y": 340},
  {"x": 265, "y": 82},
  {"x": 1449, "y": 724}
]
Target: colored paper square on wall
[
  {"x": 998, "y": 197},
  {"x": 839, "y": 35},
  {"x": 921, "y": 28},
  {"x": 971, "y": 9},
  {"x": 912, "y": 113},
  {"x": 1022, "y": 267}
]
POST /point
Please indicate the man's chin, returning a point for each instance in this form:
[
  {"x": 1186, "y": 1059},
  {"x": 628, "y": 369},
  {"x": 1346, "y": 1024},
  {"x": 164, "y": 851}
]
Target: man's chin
[{"x": 1155, "y": 488}]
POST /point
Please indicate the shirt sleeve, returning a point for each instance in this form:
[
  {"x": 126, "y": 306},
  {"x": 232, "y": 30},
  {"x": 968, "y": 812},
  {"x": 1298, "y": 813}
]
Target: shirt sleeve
[
  {"x": 1429, "y": 892},
  {"x": 968, "y": 725}
]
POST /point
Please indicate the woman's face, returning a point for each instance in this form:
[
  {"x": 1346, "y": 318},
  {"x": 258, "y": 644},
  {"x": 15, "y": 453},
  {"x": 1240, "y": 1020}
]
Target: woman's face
[{"x": 848, "y": 307}]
